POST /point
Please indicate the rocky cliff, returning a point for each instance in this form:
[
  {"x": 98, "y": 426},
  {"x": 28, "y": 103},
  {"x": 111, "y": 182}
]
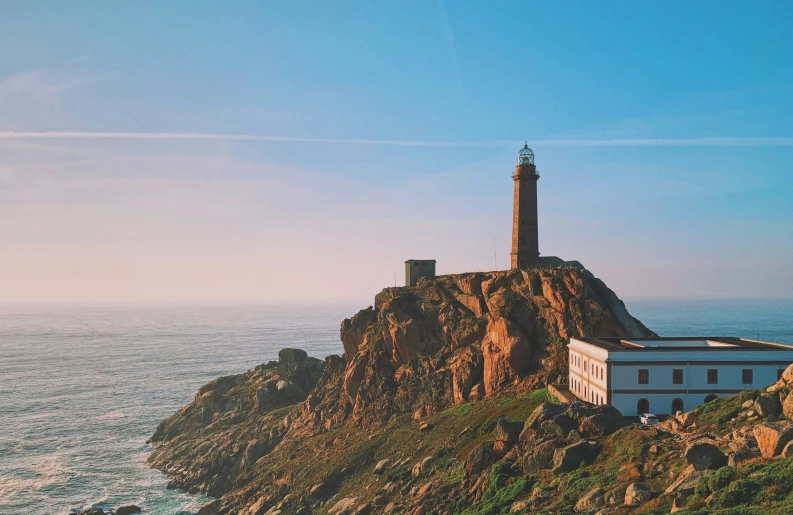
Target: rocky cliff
[{"x": 428, "y": 372}]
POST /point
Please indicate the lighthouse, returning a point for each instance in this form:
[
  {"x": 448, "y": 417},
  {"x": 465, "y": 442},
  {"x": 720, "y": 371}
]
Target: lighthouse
[{"x": 525, "y": 239}]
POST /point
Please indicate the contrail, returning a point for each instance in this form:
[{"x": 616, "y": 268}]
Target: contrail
[{"x": 626, "y": 142}]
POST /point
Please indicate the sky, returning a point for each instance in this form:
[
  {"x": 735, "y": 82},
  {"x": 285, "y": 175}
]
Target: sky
[{"x": 287, "y": 151}]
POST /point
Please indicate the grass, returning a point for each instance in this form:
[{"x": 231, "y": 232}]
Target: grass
[{"x": 721, "y": 411}]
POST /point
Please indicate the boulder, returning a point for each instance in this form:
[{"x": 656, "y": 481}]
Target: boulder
[
  {"x": 687, "y": 481},
  {"x": 539, "y": 457},
  {"x": 543, "y": 412},
  {"x": 605, "y": 421},
  {"x": 422, "y": 466},
  {"x": 638, "y": 493},
  {"x": 319, "y": 490},
  {"x": 477, "y": 392},
  {"x": 736, "y": 458},
  {"x": 772, "y": 437},
  {"x": 705, "y": 456},
  {"x": 570, "y": 457},
  {"x": 560, "y": 425},
  {"x": 768, "y": 405},
  {"x": 591, "y": 501},
  {"x": 128, "y": 510},
  {"x": 381, "y": 466},
  {"x": 344, "y": 506},
  {"x": 507, "y": 430},
  {"x": 787, "y": 407},
  {"x": 480, "y": 458},
  {"x": 208, "y": 399}
]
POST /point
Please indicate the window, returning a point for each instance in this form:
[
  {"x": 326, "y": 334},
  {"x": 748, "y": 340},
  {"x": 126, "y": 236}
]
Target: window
[
  {"x": 711, "y": 397},
  {"x": 584, "y": 366},
  {"x": 779, "y": 374},
  {"x": 677, "y": 405},
  {"x": 644, "y": 376},
  {"x": 747, "y": 376},
  {"x": 643, "y": 406},
  {"x": 713, "y": 376},
  {"x": 677, "y": 376}
]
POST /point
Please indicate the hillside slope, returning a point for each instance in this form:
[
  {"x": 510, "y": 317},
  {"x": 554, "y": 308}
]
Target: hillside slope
[{"x": 460, "y": 351}]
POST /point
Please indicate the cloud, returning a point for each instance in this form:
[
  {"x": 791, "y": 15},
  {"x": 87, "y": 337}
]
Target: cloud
[{"x": 188, "y": 136}]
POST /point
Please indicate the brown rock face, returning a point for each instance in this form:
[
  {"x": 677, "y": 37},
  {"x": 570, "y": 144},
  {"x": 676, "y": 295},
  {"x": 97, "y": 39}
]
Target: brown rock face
[
  {"x": 449, "y": 339},
  {"x": 772, "y": 437}
]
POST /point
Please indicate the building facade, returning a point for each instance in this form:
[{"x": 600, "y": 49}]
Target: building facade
[
  {"x": 415, "y": 269},
  {"x": 666, "y": 375},
  {"x": 525, "y": 236}
]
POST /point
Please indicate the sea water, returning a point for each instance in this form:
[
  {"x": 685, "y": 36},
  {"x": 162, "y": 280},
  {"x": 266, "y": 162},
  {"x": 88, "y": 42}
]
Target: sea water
[{"x": 83, "y": 386}]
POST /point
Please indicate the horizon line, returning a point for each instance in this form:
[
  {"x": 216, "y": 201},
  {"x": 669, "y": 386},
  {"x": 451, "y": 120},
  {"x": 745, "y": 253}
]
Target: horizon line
[{"x": 624, "y": 142}]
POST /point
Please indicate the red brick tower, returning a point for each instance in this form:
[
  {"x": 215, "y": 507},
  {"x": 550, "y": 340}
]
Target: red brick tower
[{"x": 525, "y": 242}]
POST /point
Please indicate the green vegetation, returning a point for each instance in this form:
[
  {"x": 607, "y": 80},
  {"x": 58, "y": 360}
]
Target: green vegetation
[
  {"x": 503, "y": 490},
  {"x": 461, "y": 410},
  {"x": 746, "y": 490},
  {"x": 720, "y": 411}
]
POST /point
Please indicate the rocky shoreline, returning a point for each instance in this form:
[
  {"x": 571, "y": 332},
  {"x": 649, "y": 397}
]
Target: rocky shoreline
[{"x": 439, "y": 406}]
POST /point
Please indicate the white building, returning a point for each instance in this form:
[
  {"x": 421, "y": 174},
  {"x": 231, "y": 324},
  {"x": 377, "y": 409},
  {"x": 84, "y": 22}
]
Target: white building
[{"x": 666, "y": 375}]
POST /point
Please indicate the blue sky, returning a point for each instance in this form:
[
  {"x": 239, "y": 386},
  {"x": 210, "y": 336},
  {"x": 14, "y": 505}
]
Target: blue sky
[{"x": 662, "y": 132}]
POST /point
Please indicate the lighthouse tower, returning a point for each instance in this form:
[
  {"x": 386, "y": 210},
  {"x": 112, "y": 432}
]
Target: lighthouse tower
[{"x": 525, "y": 240}]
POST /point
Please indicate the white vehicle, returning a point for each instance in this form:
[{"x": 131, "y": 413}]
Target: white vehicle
[{"x": 648, "y": 419}]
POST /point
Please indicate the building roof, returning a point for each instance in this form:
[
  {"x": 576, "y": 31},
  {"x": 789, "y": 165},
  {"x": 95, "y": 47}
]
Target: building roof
[
  {"x": 420, "y": 261},
  {"x": 681, "y": 343}
]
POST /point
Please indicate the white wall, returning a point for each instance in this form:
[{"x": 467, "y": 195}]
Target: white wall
[
  {"x": 695, "y": 377},
  {"x": 660, "y": 391}
]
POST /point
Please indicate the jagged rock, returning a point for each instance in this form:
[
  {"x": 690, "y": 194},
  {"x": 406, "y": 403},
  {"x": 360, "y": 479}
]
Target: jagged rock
[
  {"x": 736, "y": 458},
  {"x": 543, "y": 412},
  {"x": 539, "y": 457},
  {"x": 705, "y": 456},
  {"x": 687, "y": 481},
  {"x": 260, "y": 507},
  {"x": 425, "y": 426},
  {"x": 210, "y": 508},
  {"x": 319, "y": 490},
  {"x": 591, "y": 501},
  {"x": 571, "y": 457},
  {"x": 128, "y": 510},
  {"x": 507, "y": 430},
  {"x": 422, "y": 466},
  {"x": 604, "y": 421},
  {"x": 638, "y": 493},
  {"x": 92, "y": 511},
  {"x": 560, "y": 425},
  {"x": 480, "y": 458},
  {"x": 381, "y": 466},
  {"x": 677, "y": 505},
  {"x": 507, "y": 354},
  {"x": 768, "y": 405},
  {"x": 772, "y": 437},
  {"x": 477, "y": 392},
  {"x": 787, "y": 407},
  {"x": 467, "y": 368},
  {"x": 344, "y": 506},
  {"x": 426, "y": 347}
]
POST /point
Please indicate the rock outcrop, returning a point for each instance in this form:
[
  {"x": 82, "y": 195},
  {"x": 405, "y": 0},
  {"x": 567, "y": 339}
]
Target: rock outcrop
[{"x": 289, "y": 434}]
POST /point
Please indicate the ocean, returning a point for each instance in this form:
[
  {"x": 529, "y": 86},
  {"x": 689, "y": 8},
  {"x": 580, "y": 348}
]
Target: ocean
[{"x": 82, "y": 386}]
